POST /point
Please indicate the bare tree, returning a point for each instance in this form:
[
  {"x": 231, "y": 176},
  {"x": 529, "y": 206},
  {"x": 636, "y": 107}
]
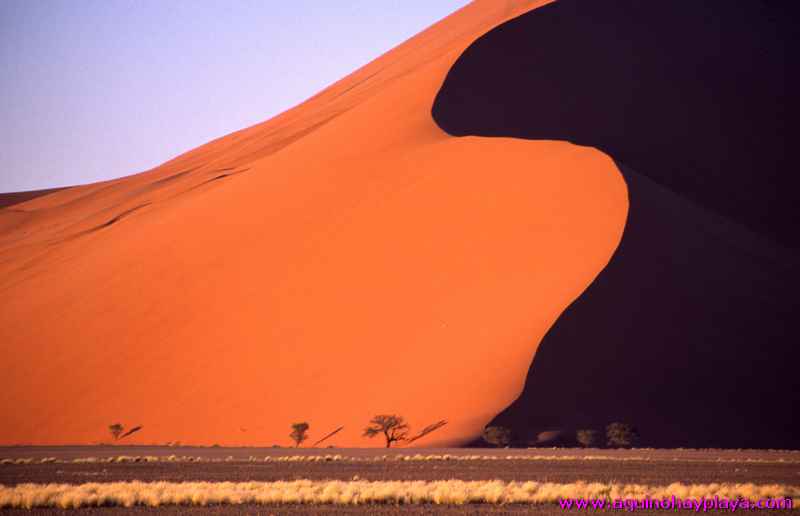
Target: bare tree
[
  {"x": 116, "y": 430},
  {"x": 299, "y": 433},
  {"x": 394, "y": 428}
]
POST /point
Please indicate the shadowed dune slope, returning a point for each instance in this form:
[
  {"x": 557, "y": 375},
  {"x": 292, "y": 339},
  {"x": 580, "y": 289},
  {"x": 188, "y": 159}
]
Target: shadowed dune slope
[
  {"x": 691, "y": 331},
  {"x": 344, "y": 259},
  {"x": 12, "y": 198}
]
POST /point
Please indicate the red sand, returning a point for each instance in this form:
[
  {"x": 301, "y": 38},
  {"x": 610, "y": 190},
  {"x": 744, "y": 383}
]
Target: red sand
[
  {"x": 10, "y": 199},
  {"x": 356, "y": 260}
]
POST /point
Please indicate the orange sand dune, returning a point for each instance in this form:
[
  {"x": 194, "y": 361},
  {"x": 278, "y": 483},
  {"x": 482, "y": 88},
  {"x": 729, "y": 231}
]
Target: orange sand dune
[
  {"x": 10, "y": 199},
  {"x": 343, "y": 259}
]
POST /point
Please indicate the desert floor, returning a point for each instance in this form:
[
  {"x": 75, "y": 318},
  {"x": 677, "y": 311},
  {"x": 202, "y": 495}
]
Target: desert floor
[{"x": 77, "y": 465}]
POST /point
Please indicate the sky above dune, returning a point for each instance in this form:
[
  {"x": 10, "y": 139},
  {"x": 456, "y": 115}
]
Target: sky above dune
[{"x": 96, "y": 90}]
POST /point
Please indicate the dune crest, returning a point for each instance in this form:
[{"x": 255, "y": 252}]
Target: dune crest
[{"x": 344, "y": 259}]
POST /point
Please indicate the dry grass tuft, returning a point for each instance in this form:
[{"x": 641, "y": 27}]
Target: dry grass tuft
[{"x": 451, "y": 492}]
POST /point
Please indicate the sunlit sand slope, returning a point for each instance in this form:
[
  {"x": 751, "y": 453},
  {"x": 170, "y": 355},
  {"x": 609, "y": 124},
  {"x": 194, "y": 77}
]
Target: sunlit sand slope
[
  {"x": 10, "y": 199},
  {"x": 343, "y": 259}
]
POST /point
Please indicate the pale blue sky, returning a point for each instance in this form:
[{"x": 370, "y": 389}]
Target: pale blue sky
[{"x": 98, "y": 89}]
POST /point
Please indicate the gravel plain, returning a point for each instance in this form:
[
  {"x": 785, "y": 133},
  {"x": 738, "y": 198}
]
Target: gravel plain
[{"x": 643, "y": 466}]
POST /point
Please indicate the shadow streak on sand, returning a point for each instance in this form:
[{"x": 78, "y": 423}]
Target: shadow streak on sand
[
  {"x": 690, "y": 332},
  {"x": 13, "y": 198}
]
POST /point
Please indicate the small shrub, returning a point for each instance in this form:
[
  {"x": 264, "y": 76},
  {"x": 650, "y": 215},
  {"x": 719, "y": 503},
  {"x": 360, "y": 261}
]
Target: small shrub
[
  {"x": 621, "y": 435},
  {"x": 586, "y": 438},
  {"x": 498, "y": 436},
  {"x": 116, "y": 430}
]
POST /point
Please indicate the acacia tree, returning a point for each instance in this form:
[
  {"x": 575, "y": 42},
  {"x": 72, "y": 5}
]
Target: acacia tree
[
  {"x": 299, "y": 433},
  {"x": 116, "y": 430},
  {"x": 499, "y": 436},
  {"x": 394, "y": 428}
]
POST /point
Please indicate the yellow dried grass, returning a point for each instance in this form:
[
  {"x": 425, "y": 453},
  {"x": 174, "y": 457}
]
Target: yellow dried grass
[{"x": 454, "y": 492}]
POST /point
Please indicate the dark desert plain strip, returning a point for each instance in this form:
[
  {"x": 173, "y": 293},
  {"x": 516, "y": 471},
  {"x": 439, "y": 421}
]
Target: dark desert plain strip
[{"x": 645, "y": 466}]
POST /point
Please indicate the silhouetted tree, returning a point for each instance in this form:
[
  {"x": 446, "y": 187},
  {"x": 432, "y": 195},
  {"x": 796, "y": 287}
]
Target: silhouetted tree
[
  {"x": 586, "y": 438},
  {"x": 393, "y": 428},
  {"x": 116, "y": 430},
  {"x": 621, "y": 435},
  {"x": 299, "y": 433},
  {"x": 499, "y": 436}
]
